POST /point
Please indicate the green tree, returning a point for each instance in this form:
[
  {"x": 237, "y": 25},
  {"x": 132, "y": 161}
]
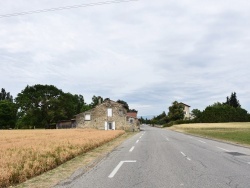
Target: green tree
[
  {"x": 5, "y": 95},
  {"x": 160, "y": 119},
  {"x": 70, "y": 105},
  {"x": 8, "y": 113},
  {"x": 219, "y": 112},
  {"x": 196, "y": 113},
  {"x": 40, "y": 105},
  {"x": 176, "y": 111},
  {"x": 80, "y": 103},
  {"x": 125, "y": 104},
  {"x": 233, "y": 101},
  {"x": 95, "y": 101}
]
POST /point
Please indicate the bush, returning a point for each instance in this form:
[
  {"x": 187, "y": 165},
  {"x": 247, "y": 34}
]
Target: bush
[
  {"x": 177, "y": 122},
  {"x": 219, "y": 113}
]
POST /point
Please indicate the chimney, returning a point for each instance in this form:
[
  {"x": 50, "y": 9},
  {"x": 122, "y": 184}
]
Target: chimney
[{"x": 99, "y": 100}]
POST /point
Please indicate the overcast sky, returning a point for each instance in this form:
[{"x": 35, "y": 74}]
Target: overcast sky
[{"x": 147, "y": 53}]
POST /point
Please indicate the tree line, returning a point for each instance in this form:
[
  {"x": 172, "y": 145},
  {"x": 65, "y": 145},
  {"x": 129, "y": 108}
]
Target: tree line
[
  {"x": 175, "y": 113},
  {"x": 228, "y": 111},
  {"x": 39, "y": 106}
]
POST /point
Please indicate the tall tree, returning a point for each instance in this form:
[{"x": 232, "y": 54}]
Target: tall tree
[
  {"x": 176, "y": 111},
  {"x": 95, "y": 101},
  {"x": 8, "y": 110},
  {"x": 8, "y": 113},
  {"x": 5, "y": 95},
  {"x": 233, "y": 101},
  {"x": 39, "y": 105}
]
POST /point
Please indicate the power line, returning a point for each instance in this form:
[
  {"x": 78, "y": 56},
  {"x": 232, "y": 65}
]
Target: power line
[{"x": 64, "y": 8}]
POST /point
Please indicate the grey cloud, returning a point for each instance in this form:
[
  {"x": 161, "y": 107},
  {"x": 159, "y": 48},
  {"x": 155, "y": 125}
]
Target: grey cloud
[{"x": 147, "y": 53}]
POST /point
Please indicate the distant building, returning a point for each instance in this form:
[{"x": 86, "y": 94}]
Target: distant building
[
  {"x": 186, "y": 110},
  {"x": 66, "y": 124},
  {"x": 109, "y": 115}
]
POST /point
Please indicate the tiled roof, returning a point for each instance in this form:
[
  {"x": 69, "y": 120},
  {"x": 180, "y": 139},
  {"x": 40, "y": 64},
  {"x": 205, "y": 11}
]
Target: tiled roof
[
  {"x": 184, "y": 104},
  {"x": 132, "y": 114}
]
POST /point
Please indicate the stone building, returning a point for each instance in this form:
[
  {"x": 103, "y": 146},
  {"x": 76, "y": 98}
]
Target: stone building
[
  {"x": 187, "y": 114},
  {"x": 108, "y": 115},
  {"x": 66, "y": 124}
]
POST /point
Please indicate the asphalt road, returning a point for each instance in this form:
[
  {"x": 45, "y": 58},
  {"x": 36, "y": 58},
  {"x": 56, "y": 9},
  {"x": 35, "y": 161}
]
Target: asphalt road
[{"x": 161, "y": 158}]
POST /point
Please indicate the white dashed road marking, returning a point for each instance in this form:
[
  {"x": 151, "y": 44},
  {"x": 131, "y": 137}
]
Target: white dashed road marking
[
  {"x": 132, "y": 149},
  {"x": 137, "y": 141},
  {"x": 185, "y": 156},
  {"x": 118, "y": 167}
]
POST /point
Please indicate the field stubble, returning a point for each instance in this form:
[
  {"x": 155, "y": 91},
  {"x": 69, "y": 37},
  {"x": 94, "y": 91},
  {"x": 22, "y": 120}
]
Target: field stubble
[
  {"x": 27, "y": 153},
  {"x": 238, "y": 133}
]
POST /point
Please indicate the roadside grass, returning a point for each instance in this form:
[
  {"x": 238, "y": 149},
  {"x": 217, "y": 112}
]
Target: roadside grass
[
  {"x": 238, "y": 133},
  {"x": 28, "y": 153}
]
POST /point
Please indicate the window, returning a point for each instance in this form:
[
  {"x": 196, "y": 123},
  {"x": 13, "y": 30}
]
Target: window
[
  {"x": 120, "y": 112},
  {"x": 131, "y": 120},
  {"x": 87, "y": 117},
  {"x": 109, "y": 112}
]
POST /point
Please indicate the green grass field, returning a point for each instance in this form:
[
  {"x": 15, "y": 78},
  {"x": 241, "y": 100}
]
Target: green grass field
[{"x": 232, "y": 132}]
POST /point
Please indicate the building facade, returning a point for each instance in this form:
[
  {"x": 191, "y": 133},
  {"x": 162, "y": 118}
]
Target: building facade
[
  {"x": 108, "y": 115},
  {"x": 187, "y": 114}
]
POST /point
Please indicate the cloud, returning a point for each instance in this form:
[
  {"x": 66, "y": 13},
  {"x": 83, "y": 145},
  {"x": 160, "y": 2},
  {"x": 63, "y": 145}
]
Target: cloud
[{"x": 147, "y": 53}]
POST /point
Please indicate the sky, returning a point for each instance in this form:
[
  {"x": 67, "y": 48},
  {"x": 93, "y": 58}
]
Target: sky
[{"x": 147, "y": 53}]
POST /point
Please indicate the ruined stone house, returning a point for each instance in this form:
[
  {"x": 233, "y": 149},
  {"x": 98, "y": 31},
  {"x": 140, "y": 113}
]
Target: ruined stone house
[{"x": 108, "y": 115}]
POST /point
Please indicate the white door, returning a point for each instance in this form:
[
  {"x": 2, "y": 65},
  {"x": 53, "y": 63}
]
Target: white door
[
  {"x": 109, "y": 125},
  {"x": 106, "y": 125}
]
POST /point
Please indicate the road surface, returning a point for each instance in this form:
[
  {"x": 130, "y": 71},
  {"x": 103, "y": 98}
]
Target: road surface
[{"x": 162, "y": 158}]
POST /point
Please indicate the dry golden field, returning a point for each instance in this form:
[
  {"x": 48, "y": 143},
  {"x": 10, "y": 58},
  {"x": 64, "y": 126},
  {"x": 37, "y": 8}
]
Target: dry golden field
[
  {"x": 234, "y": 125},
  {"x": 237, "y": 133},
  {"x": 27, "y": 153}
]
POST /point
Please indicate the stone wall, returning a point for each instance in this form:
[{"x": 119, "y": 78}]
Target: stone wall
[{"x": 99, "y": 115}]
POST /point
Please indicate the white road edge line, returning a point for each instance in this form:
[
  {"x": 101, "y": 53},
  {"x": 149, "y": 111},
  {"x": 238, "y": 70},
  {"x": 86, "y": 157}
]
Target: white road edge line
[
  {"x": 137, "y": 141},
  {"x": 132, "y": 149},
  {"x": 118, "y": 167},
  {"x": 223, "y": 149},
  {"x": 201, "y": 141}
]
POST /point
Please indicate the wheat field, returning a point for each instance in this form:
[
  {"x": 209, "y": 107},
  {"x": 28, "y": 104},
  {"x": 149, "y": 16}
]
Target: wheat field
[
  {"x": 237, "y": 133},
  {"x": 27, "y": 153},
  {"x": 234, "y": 125}
]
